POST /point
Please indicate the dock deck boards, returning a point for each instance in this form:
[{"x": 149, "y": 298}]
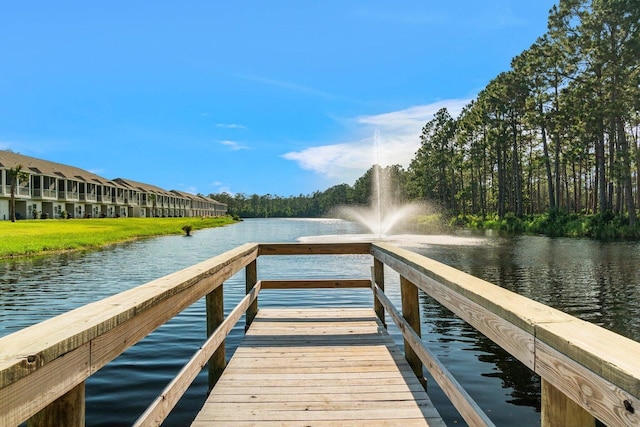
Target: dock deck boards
[{"x": 320, "y": 367}]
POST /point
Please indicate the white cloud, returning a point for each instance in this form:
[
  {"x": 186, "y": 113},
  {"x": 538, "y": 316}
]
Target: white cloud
[
  {"x": 220, "y": 187},
  {"x": 412, "y": 118},
  {"x": 230, "y": 126},
  {"x": 397, "y": 142},
  {"x": 234, "y": 145},
  {"x": 335, "y": 160}
]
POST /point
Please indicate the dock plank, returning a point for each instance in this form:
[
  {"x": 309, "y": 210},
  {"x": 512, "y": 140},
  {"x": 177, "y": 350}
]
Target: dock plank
[{"x": 320, "y": 367}]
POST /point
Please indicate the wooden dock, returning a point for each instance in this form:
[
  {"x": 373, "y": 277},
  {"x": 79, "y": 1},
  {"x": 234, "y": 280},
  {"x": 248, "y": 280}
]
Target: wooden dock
[{"x": 321, "y": 367}]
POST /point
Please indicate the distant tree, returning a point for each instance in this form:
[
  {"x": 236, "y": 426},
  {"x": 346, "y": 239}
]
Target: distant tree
[
  {"x": 432, "y": 169},
  {"x": 16, "y": 175},
  {"x": 362, "y": 187}
]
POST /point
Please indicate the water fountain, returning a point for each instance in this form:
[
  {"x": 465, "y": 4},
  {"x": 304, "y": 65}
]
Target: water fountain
[
  {"x": 387, "y": 215},
  {"x": 384, "y": 215}
]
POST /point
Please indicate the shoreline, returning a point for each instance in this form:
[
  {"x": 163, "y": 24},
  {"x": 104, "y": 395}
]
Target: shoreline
[{"x": 33, "y": 238}]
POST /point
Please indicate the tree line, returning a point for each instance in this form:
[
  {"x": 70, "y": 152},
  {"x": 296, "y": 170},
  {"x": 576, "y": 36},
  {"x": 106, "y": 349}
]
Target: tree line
[
  {"x": 557, "y": 132},
  {"x": 320, "y": 203}
]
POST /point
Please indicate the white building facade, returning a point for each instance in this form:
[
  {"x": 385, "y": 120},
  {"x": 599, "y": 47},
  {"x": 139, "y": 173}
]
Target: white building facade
[{"x": 54, "y": 190}]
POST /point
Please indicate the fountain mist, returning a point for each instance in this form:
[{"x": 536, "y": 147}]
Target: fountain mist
[
  {"x": 386, "y": 211},
  {"x": 387, "y": 214}
]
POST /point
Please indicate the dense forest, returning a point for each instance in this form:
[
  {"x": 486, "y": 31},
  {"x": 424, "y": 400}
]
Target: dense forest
[{"x": 556, "y": 134}]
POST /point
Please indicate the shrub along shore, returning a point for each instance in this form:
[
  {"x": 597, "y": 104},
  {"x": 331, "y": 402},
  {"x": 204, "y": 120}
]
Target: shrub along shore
[
  {"x": 36, "y": 237},
  {"x": 556, "y": 224}
]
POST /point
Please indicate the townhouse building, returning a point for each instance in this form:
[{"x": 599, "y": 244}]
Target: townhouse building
[{"x": 54, "y": 190}]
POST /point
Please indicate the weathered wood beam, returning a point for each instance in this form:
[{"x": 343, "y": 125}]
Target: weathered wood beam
[
  {"x": 68, "y": 410},
  {"x": 24, "y": 398},
  {"x": 251, "y": 278},
  {"x": 557, "y": 410},
  {"x": 411, "y": 313},
  {"x": 215, "y": 317},
  {"x": 378, "y": 279},
  {"x": 314, "y": 248},
  {"x": 316, "y": 284}
]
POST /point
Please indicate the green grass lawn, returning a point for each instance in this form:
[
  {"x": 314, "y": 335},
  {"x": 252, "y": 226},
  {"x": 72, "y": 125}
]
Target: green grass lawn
[{"x": 33, "y": 237}]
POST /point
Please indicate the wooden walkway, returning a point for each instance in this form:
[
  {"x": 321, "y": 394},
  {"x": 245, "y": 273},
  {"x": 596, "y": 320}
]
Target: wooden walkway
[{"x": 318, "y": 367}]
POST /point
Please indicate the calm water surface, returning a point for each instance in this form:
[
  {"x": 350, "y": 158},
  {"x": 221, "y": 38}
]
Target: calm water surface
[{"x": 595, "y": 281}]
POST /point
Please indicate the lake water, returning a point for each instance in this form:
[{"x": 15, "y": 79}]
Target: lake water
[{"x": 598, "y": 282}]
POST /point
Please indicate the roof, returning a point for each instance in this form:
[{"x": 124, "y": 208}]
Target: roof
[
  {"x": 141, "y": 186},
  {"x": 197, "y": 197},
  {"x": 185, "y": 195},
  {"x": 9, "y": 159}
]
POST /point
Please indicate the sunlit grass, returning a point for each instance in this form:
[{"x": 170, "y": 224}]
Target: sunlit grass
[{"x": 32, "y": 237}]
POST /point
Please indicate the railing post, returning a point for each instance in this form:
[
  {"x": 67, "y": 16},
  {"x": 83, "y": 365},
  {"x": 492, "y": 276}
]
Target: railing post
[
  {"x": 215, "y": 316},
  {"x": 67, "y": 410},
  {"x": 557, "y": 409},
  {"x": 378, "y": 278},
  {"x": 251, "y": 278},
  {"x": 411, "y": 313}
]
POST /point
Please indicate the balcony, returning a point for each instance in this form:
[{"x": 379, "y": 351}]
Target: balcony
[
  {"x": 88, "y": 197},
  {"x": 21, "y": 191},
  {"x": 49, "y": 194},
  {"x": 68, "y": 195}
]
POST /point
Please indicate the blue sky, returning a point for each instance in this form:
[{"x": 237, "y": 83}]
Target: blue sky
[{"x": 269, "y": 97}]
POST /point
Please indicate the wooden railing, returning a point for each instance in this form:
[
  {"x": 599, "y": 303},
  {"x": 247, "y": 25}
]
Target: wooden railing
[{"x": 586, "y": 371}]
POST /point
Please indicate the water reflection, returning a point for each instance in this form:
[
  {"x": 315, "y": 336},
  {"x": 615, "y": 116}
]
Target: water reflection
[{"x": 596, "y": 281}]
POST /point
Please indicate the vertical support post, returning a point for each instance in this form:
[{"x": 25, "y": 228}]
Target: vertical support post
[
  {"x": 251, "y": 278},
  {"x": 67, "y": 410},
  {"x": 411, "y": 313},
  {"x": 378, "y": 278},
  {"x": 215, "y": 316},
  {"x": 558, "y": 409}
]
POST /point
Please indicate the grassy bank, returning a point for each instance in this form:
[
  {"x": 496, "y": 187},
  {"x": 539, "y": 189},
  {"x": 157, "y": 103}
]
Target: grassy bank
[{"x": 34, "y": 237}]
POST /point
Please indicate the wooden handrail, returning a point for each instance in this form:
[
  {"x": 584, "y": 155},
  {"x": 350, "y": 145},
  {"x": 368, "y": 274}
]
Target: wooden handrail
[
  {"x": 597, "y": 369},
  {"x": 167, "y": 400},
  {"x": 316, "y": 284},
  {"x": 580, "y": 363},
  {"x": 353, "y": 248},
  {"x": 41, "y": 363},
  {"x": 466, "y": 406}
]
